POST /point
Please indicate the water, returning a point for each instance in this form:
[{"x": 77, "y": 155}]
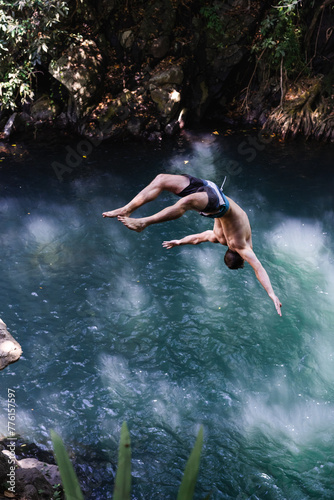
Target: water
[{"x": 114, "y": 327}]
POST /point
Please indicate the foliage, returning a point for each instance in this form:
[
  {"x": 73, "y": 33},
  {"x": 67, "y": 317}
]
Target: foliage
[
  {"x": 187, "y": 487},
  {"x": 122, "y": 488},
  {"x": 28, "y": 32},
  {"x": 280, "y": 37},
  {"x": 213, "y": 22},
  {"x": 68, "y": 476}
]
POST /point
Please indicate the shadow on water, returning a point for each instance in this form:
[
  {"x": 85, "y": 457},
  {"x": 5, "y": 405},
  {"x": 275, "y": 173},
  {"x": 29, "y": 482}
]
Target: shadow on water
[{"x": 114, "y": 327}]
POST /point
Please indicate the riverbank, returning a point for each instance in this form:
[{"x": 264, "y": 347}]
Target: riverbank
[
  {"x": 148, "y": 73},
  {"x": 25, "y": 478}
]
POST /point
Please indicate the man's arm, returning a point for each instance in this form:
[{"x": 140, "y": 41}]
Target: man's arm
[
  {"x": 249, "y": 256},
  {"x": 192, "y": 239}
]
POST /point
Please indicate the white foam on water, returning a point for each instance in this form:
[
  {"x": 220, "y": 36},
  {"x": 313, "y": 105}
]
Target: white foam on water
[
  {"x": 203, "y": 161},
  {"x": 165, "y": 402},
  {"x": 304, "y": 252},
  {"x": 303, "y": 258},
  {"x": 301, "y": 240},
  {"x": 43, "y": 229},
  {"x": 127, "y": 294},
  {"x": 210, "y": 274},
  {"x": 49, "y": 242},
  {"x": 116, "y": 377},
  {"x": 297, "y": 424}
]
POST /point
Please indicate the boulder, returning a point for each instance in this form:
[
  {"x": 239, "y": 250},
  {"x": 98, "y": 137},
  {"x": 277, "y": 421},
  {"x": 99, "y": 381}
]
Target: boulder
[
  {"x": 167, "y": 101},
  {"x": 126, "y": 39},
  {"x": 10, "y": 349},
  {"x": 159, "y": 47},
  {"x": 31, "y": 479},
  {"x": 164, "y": 87},
  {"x": 171, "y": 76},
  {"x": 43, "y": 109},
  {"x": 135, "y": 126},
  {"x": 79, "y": 69},
  {"x": 172, "y": 127},
  {"x": 158, "y": 19},
  {"x": 10, "y": 126}
]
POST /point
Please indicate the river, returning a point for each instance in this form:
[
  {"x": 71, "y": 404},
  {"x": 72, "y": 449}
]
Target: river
[{"x": 116, "y": 328}]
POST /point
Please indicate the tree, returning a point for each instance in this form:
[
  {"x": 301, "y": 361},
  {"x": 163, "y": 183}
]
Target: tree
[{"x": 28, "y": 32}]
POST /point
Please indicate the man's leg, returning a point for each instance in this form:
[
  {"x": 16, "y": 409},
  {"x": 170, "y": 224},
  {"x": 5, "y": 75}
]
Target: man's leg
[
  {"x": 196, "y": 201},
  {"x": 162, "y": 182}
]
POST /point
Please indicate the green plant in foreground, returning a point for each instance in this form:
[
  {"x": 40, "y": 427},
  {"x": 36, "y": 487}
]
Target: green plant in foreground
[
  {"x": 69, "y": 479},
  {"x": 122, "y": 488},
  {"x": 187, "y": 487}
]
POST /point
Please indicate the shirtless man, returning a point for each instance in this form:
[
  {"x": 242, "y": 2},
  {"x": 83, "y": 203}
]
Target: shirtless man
[{"x": 231, "y": 224}]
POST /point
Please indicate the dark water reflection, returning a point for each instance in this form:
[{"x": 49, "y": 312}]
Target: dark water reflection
[{"x": 114, "y": 327}]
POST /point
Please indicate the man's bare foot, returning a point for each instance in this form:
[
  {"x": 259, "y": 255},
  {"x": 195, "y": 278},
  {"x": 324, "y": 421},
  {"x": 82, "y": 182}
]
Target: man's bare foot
[
  {"x": 133, "y": 224},
  {"x": 115, "y": 213}
]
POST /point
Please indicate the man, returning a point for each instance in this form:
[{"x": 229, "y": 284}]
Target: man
[{"x": 231, "y": 224}]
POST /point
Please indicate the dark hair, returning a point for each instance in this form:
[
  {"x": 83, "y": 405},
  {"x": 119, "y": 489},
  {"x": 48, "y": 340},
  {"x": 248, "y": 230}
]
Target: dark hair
[{"x": 233, "y": 260}]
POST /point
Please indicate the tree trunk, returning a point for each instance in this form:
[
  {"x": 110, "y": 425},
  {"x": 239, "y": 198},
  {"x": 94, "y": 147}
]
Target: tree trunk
[{"x": 311, "y": 29}]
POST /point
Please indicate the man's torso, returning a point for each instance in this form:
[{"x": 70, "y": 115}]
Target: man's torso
[{"x": 234, "y": 228}]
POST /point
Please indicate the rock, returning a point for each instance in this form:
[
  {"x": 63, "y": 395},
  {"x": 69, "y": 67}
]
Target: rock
[
  {"x": 171, "y": 76},
  {"x": 126, "y": 97},
  {"x": 43, "y": 109},
  {"x": 10, "y": 349},
  {"x": 126, "y": 39},
  {"x": 9, "y": 127},
  {"x": 167, "y": 101},
  {"x": 24, "y": 120},
  {"x": 154, "y": 137},
  {"x": 158, "y": 19},
  {"x": 164, "y": 90},
  {"x": 172, "y": 127},
  {"x": 135, "y": 126},
  {"x": 32, "y": 479},
  {"x": 159, "y": 47},
  {"x": 62, "y": 121},
  {"x": 200, "y": 97},
  {"x": 4, "y": 467},
  {"x": 79, "y": 69},
  {"x": 49, "y": 471}
]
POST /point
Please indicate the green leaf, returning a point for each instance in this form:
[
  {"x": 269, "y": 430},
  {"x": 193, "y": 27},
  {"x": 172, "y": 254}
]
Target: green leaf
[
  {"x": 122, "y": 488},
  {"x": 68, "y": 476},
  {"x": 188, "y": 483}
]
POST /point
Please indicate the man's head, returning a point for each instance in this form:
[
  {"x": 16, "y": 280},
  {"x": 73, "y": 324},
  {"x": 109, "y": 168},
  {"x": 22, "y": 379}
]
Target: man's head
[{"x": 233, "y": 260}]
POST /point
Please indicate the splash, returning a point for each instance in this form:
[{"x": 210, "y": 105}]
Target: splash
[{"x": 295, "y": 406}]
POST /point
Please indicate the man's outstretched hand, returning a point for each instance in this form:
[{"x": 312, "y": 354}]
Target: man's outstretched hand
[
  {"x": 278, "y": 304},
  {"x": 170, "y": 244}
]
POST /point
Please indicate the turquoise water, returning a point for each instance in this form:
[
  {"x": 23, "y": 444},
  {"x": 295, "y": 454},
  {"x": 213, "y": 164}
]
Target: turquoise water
[{"x": 114, "y": 327}]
